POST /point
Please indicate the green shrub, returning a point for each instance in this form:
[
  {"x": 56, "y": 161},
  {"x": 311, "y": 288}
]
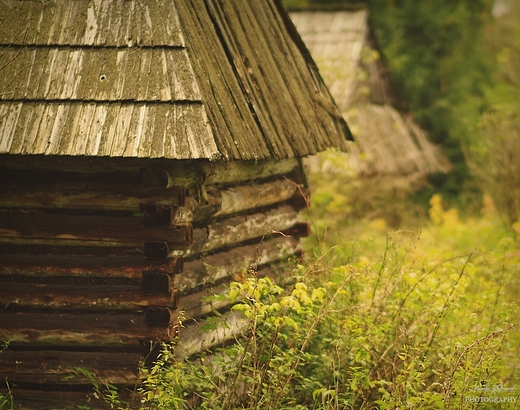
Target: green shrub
[{"x": 399, "y": 320}]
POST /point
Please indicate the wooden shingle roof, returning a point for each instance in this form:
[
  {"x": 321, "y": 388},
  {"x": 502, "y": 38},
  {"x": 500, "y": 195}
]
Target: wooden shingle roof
[
  {"x": 336, "y": 40},
  {"x": 216, "y": 79},
  {"x": 390, "y": 143}
]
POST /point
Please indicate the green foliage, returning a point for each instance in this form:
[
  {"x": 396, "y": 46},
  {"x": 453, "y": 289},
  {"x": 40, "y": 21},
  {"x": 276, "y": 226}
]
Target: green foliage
[
  {"x": 440, "y": 65},
  {"x": 400, "y": 320},
  {"x": 493, "y": 148},
  {"x": 105, "y": 392},
  {"x": 167, "y": 384},
  {"x": 437, "y": 61},
  {"x": 6, "y": 400},
  {"x": 422, "y": 327}
]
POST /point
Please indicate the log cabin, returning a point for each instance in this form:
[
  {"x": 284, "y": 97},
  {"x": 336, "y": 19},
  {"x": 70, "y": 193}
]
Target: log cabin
[{"x": 150, "y": 152}]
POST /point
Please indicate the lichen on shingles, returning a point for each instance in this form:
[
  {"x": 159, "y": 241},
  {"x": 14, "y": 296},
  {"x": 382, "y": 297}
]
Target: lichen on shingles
[{"x": 89, "y": 57}]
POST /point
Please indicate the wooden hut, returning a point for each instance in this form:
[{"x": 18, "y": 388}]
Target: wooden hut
[
  {"x": 388, "y": 143},
  {"x": 149, "y": 152}
]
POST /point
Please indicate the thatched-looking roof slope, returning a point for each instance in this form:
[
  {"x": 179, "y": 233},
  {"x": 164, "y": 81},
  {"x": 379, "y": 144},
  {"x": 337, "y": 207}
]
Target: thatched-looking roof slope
[
  {"x": 160, "y": 79},
  {"x": 341, "y": 44}
]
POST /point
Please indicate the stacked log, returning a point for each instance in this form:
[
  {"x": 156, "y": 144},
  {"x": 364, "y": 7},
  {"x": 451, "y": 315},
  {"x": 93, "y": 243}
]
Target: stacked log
[{"x": 98, "y": 268}]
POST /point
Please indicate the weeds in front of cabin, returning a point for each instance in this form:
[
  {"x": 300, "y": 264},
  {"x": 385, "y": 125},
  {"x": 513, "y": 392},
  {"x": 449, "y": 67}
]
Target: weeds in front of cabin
[
  {"x": 6, "y": 399},
  {"x": 402, "y": 320}
]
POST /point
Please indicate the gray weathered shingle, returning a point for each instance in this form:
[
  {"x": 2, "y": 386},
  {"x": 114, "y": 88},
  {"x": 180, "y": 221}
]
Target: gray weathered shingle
[{"x": 162, "y": 79}]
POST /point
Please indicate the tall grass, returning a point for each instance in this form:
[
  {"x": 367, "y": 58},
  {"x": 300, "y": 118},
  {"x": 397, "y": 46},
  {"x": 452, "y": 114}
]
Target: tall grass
[
  {"x": 403, "y": 319},
  {"x": 429, "y": 316}
]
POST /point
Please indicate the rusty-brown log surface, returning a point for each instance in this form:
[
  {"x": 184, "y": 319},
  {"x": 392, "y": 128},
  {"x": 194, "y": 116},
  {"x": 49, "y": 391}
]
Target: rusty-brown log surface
[
  {"x": 41, "y": 399},
  {"x": 69, "y": 329},
  {"x": 49, "y": 265},
  {"x": 93, "y": 271},
  {"x": 89, "y": 196},
  {"x": 194, "y": 340},
  {"x": 238, "y": 229},
  {"x": 104, "y": 230},
  {"x": 103, "y": 297},
  {"x": 63, "y": 367},
  {"x": 231, "y": 200},
  {"x": 211, "y": 269}
]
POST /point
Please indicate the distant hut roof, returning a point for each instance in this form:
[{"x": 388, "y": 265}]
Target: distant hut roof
[
  {"x": 160, "y": 79},
  {"x": 341, "y": 44}
]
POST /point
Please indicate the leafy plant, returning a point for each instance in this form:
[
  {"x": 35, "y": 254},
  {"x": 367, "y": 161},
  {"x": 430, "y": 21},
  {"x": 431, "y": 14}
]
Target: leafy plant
[
  {"x": 6, "y": 400},
  {"x": 398, "y": 320}
]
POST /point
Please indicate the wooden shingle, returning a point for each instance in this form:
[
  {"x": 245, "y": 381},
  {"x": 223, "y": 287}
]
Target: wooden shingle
[{"x": 161, "y": 79}]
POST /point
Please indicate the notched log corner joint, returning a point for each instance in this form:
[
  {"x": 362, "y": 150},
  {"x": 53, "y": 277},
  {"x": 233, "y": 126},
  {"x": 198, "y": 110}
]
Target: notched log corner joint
[
  {"x": 159, "y": 317},
  {"x": 157, "y": 215},
  {"x": 156, "y": 282}
]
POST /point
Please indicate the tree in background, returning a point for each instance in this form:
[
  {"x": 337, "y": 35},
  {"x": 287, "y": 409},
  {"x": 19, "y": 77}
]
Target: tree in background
[
  {"x": 456, "y": 66},
  {"x": 435, "y": 54},
  {"x": 493, "y": 145}
]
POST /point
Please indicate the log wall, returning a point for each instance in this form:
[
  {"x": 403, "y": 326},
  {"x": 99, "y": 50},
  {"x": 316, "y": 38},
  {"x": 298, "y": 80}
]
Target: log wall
[{"x": 98, "y": 265}]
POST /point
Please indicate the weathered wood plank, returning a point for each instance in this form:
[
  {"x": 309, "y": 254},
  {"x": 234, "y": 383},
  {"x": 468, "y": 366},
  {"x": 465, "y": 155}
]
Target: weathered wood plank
[
  {"x": 83, "y": 266},
  {"x": 160, "y": 317},
  {"x": 232, "y": 25},
  {"x": 64, "y": 246},
  {"x": 108, "y": 24},
  {"x": 60, "y": 367},
  {"x": 236, "y": 171},
  {"x": 67, "y": 297},
  {"x": 189, "y": 173},
  {"x": 193, "y": 340},
  {"x": 228, "y": 109},
  {"x": 196, "y": 305},
  {"x": 60, "y": 329},
  {"x": 39, "y": 178},
  {"x": 210, "y": 269},
  {"x": 183, "y": 173},
  {"x": 88, "y": 196},
  {"x": 238, "y": 229},
  {"x": 101, "y": 74},
  {"x": 230, "y": 200},
  {"x": 126, "y": 231},
  {"x": 21, "y": 246},
  {"x": 101, "y": 128}
]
